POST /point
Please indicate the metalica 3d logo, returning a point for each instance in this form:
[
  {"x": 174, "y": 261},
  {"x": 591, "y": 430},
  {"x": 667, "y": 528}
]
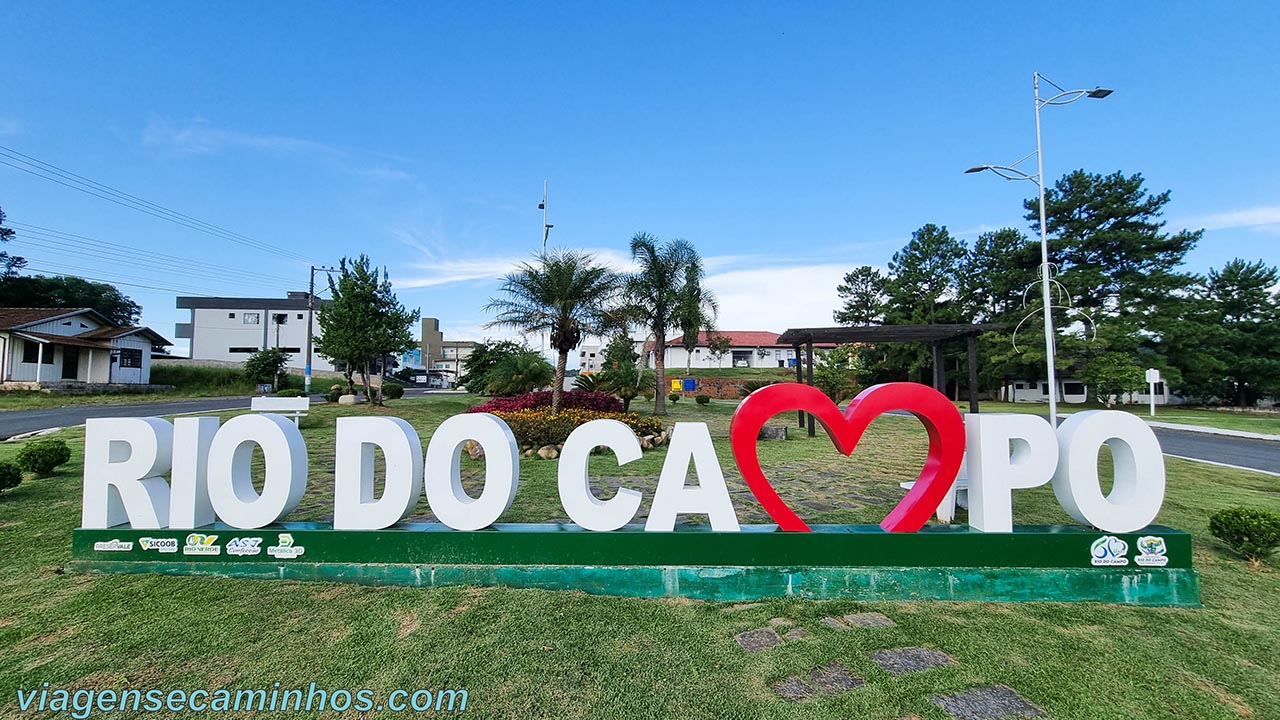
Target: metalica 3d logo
[{"x": 147, "y": 474}]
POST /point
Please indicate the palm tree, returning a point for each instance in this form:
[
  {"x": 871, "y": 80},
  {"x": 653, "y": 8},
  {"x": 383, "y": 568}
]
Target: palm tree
[
  {"x": 565, "y": 294},
  {"x": 696, "y": 310},
  {"x": 653, "y": 293}
]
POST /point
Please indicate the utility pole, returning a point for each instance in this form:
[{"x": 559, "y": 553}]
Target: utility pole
[{"x": 311, "y": 310}]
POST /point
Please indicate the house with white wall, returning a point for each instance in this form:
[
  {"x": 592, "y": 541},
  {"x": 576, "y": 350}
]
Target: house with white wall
[
  {"x": 228, "y": 328},
  {"x": 748, "y": 349},
  {"x": 48, "y": 347}
]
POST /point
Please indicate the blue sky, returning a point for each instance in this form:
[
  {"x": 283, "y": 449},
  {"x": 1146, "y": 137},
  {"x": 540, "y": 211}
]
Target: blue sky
[{"x": 789, "y": 141}]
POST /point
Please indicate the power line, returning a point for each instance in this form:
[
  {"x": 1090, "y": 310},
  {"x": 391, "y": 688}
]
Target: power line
[
  {"x": 114, "y": 282},
  {"x": 47, "y": 171},
  {"x": 160, "y": 261}
]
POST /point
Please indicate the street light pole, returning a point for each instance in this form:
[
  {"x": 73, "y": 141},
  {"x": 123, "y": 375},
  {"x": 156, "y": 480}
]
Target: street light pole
[
  {"x": 1011, "y": 172},
  {"x": 1049, "y": 342},
  {"x": 311, "y": 309}
]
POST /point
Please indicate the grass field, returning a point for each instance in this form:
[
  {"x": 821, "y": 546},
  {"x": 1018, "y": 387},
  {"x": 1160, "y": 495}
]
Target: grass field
[
  {"x": 543, "y": 654},
  {"x": 187, "y": 382}
]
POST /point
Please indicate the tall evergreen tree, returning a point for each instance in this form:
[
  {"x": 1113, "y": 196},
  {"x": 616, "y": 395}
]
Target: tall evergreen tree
[
  {"x": 1111, "y": 253},
  {"x": 863, "y": 293},
  {"x": 923, "y": 288}
]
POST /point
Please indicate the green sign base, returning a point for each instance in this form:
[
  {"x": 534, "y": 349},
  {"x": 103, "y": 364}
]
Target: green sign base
[{"x": 941, "y": 562}]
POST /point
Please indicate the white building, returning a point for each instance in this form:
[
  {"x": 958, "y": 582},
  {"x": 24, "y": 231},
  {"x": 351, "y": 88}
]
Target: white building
[
  {"x": 225, "y": 328},
  {"x": 590, "y": 359},
  {"x": 748, "y": 349},
  {"x": 1071, "y": 390},
  {"x": 58, "y": 346},
  {"x": 453, "y": 358}
]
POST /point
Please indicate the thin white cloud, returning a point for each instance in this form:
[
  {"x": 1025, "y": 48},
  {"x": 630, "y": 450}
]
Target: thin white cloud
[
  {"x": 436, "y": 272},
  {"x": 9, "y": 127},
  {"x": 200, "y": 138},
  {"x": 777, "y": 298},
  {"x": 1265, "y": 216}
]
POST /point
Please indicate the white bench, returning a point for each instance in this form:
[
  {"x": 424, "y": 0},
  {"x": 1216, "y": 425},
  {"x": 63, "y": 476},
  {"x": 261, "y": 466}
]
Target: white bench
[
  {"x": 294, "y": 407},
  {"x": 957, "y": 495}
]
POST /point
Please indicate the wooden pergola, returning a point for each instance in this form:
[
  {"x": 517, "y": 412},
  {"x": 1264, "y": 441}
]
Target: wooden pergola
[{"x": 935, "y": 335}]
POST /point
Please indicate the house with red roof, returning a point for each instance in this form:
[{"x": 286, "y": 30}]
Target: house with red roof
[
  {"x": 43, "y": 347},
  {"x": 746, "y": 349}
]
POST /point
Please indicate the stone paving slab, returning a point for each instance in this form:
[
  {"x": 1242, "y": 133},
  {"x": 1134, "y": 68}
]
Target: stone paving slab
[
  {"x": 793, "y": 689},
  {"x": 988, "y": 703},
  {"x": 901, "y": 661},
  {"x": 797, "y": 634},
  {"x": 869, "y": 620},
  {"x": 833, "y": 623},
  {"x": 834, "y": 678},
  {"x": 756, "y": 640}
]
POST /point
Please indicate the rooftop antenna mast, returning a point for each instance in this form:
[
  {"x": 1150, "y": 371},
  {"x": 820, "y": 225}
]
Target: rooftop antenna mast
[{"x": 546, "y": 227}]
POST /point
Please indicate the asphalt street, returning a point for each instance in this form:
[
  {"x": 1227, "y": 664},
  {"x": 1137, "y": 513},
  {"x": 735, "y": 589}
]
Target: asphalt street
[{"x": 1243, "y": 452}]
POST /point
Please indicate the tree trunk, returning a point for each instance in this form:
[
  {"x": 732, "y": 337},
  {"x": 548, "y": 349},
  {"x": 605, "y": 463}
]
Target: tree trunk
[
  {"x": 688, "y": 361},
  {"x": 660, "y": 370},
  {"x": 557, "y": 390},
  {"x": 364, "y": 378}
]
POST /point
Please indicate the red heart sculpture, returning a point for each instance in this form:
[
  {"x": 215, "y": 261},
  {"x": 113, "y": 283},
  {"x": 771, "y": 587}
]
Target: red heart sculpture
[{"x": 939, "y": 417}]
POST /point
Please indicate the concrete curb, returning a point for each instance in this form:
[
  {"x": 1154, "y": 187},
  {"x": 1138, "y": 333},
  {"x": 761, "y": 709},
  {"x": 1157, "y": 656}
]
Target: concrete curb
[{"x": 1206, "y": 430}]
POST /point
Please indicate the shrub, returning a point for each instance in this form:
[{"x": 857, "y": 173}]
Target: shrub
[
  {"x": 571, "y": 400},
  {"x": 587, "y": 382},
  {"x": 333, "y": 395},
  {"x": 10, "y": 475},
  {"x": 291, "y": 392},
  {"x": 392, "y": 391},
  {"x": 267, "y": 366},
  {"x": 674, "y": 397},
  {"x": 42, "y": 456},
  {"x": 1252, "y": 532},
  {"x": 540, "y": 427},
  {"x": 751, "y": 386},
  {"x": 703, "y": 399}
]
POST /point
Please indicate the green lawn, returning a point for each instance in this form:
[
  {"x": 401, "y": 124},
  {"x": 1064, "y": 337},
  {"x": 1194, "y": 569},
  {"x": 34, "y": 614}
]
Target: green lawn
[
  {"x": 1258, "y": 422},
  {"x": 545, "y": 654}
]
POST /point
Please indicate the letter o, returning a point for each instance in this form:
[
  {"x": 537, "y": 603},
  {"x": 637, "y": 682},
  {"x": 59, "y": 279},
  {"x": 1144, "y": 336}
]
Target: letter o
[
  {"x": 231, "y": 490},
  {"x": 445, "y": 495},
  {"x": 1138, "y": 490}
]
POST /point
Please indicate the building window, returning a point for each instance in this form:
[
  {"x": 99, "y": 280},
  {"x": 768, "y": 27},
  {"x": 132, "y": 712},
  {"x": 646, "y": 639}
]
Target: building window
[
  {"x": 299, "y": 316},
  {"x": 252, "y": 318},
  {"x": 292, "y": 349},
  {"x": 130, "y": 358},
  {"x": 280, "y": 318},
  {"x": 243, "y": 350},
  {"x": 231, "y": 316},
  {"x": 30, "y": 351},
  {"x": 1072, "y": 388}
]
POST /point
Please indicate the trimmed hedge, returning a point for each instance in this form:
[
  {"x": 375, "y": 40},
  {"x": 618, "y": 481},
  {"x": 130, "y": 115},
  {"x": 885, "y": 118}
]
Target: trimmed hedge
[
  {"x": 392, "y": 391},
  {"x": 539, "y": 427},
  {"x": 571, "y": 400},
  {"x": 1252, "y": 532},
  {"x": 43, "y": 456},
  {"x": 10, "y": 475}
]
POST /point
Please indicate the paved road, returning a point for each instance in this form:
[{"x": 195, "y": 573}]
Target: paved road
[
  {"x": 1244, "y": 452},
  {"x": 16, "y": 422}
]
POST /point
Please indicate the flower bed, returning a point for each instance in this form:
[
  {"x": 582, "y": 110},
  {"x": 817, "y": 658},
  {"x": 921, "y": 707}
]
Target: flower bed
[
  {"x": 537, "y": 428},
  {"x": 571, "y": 400}
]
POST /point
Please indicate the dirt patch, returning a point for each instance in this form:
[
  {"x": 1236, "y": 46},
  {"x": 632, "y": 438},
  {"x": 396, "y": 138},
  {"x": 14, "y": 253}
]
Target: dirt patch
[
  {"x": 1232, "y": 701},
  {"x": 409, "y": 623},
  {"x": 47, "y": 639}
]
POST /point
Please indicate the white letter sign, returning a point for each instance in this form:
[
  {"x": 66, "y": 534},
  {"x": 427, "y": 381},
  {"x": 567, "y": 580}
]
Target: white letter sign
[
  {"x": 1138, "y": 491},
  {"x": 127, "y": 457},
  {"x": 691, "y": 441},
  {"x": 994, "y": 471},
  {"x": 354, "y": 506},
  {"x": 231, "y": 489},
  {"x": 580, "y": 504},
  {"x": 448, "y": 500}
]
